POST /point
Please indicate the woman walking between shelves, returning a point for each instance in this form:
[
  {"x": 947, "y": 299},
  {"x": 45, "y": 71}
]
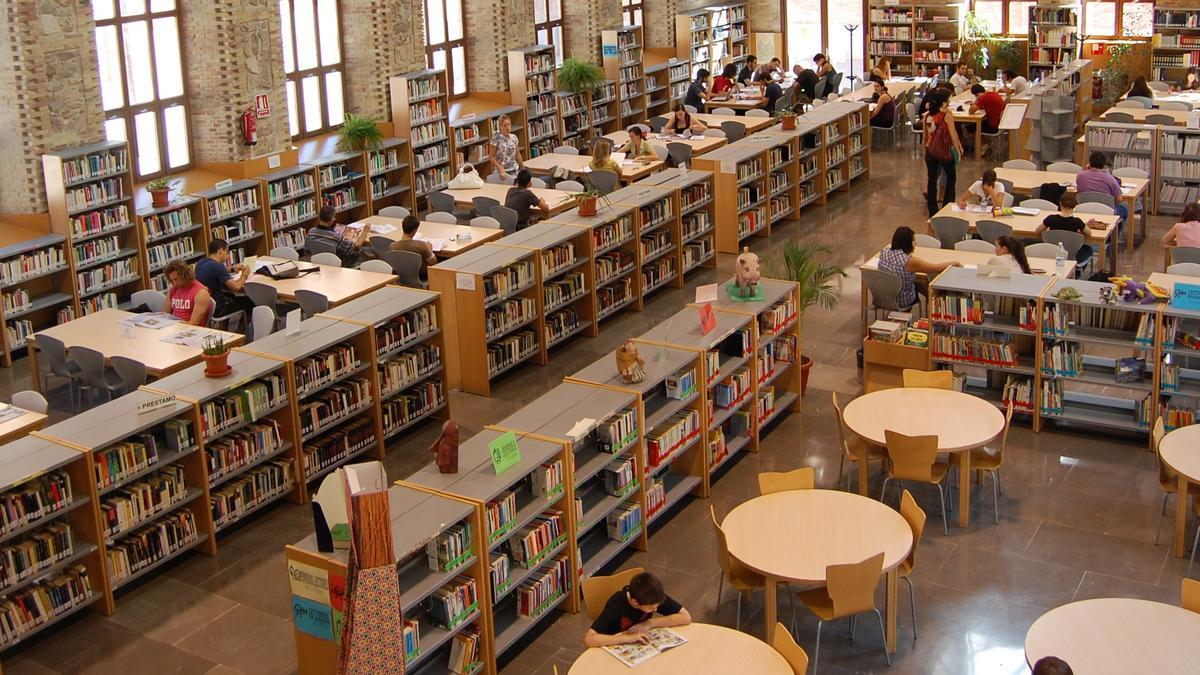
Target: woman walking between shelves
[
  {"x": 941, "y": 144},
  {"x": 505, "y": 151}
]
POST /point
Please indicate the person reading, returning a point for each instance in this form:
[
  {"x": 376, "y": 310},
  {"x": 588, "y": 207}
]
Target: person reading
[
  {"x": 602, "y": 157},
  {"x": 629, "y": 613},
  {"x": 725, "y": 81},
  {"x": 884, "y": 113},
  {"x": 1095, "y": 177},
  {"x": 408, "y": 242},
  {"x": 882, "y": 72},
  {"x": 747, "y": 72},
  {"x": 1187, "y": 231},
  {"x": 1014, "y": 83},
  {"x": 1010, "y": 253},
  {"x": 223, "y": 286},
  {"x": 986, "y": 191},
  {"x": 899, "y": 261},
  {"x": 960, "y": 79},
  {"x": 346, "y": 244},
  {"x": 187, "y": 299},
  {"x": 682, "y": 123},
  {"x": 1066, "y": 220},
  {"x": 992, "y": 105},
  {"x": 520, "y": 198},
  {"x": 638, "y": 148}
]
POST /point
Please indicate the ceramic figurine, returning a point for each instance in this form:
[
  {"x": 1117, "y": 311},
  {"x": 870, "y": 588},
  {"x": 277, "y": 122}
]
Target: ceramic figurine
[
  {"x": 631, "y": 366},
  {"x": 748, "y": 272},
  {"x": 445, "y": 448}
]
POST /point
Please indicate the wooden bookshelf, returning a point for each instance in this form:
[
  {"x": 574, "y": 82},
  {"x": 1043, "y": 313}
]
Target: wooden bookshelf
[
  {"x": 1176, "y": 174},
  {"x": 89, "y": 190},
  {"x": 811, "y": 162},
  {"x": 235, "y": 213},
  {"x": 1054, "y": 38},
  {"x": 1176, "y": 43},
  {"x": 174, "y": 232},
  {"x": 622, "y": 57},
  {"x": 614, "y": 255},
  {"x": 697, "y": 216},
  {"x": 533, "y": 85},
  {"x": 657, "y": 229},
  {"x": 712, "y": 37},
  {"x": 742, "y": 202},
  {"x": 783, "y": 177},
  {"x": 566, "y": 277},
  {"x": 420, "y": 108},
  {"x": 574, "y": 118},
  {"x": 389, "y": 170},
  {"x": 291, "y": 199},
  {"x": 666, "y": 84},
  {"x": 342, "y": 183},
  {"x": 892, "y": 34},
  {"x": 606, "y": 108},
  {"x": 35, "y": 284},
  {"x": 490, "y": 296}
]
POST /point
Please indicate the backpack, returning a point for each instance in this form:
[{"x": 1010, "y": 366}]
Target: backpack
[{"x": 937, "y": 141}]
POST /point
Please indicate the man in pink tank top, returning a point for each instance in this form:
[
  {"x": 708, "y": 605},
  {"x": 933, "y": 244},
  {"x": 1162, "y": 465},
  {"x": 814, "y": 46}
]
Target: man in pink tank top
[{"x": 188, "y": 299}]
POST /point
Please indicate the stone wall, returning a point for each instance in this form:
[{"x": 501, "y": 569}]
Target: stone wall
[
  {"x": 493, "y": 28},
  {"x": 381, "y": 38}
]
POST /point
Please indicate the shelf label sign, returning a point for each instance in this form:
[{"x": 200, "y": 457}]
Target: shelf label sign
[
  {"x": 222, "y": 184},
  {"x": 309, "y": 582},
  {"x": 505, "y": 453},
  {"x": 262, "y": 107},
  {"x": 155, "y": 403},
  {"x": 1186, "y": 296},
  {"x": 312, "y": 618},
  {"x": 609, "y": 50}
]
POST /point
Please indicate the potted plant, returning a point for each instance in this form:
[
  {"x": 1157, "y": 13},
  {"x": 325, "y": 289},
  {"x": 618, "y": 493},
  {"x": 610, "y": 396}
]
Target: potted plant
[
  {"x": 216, "y": 357},
  {"x": 359, "y": 133},
  {"x": 577, "y": 76},
  {"x": 820, "y": 283},
  {"x": 787, "y": 116},
  {"x": 588, "y": 199},
  {"x": 160, "y": 190}
]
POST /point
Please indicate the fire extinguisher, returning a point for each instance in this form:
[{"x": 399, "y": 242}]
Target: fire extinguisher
[{"x": 249, "y": 128}]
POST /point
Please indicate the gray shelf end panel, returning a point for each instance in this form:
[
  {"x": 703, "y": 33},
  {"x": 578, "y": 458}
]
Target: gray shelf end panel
[
  {"x": 543, "y": 235},
  {"x": 29, "y": 457},
  {"x": 682, "y": 329},
  {"x": 691, "y": 177},
  {"x": 476, "y": 477},
  {"x": 661, "y": 362},
  {"x": 315, "y": 334},
  {"x": 193, "y": 384},
  {"x": 554, "y": 413},
  {"x": 114, "y": 421},
  {"x": 381, "y": 305},
  {"x": 962, "y": 280}
]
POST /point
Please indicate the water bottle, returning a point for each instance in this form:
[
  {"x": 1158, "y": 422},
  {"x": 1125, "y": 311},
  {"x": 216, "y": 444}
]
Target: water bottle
[{"x": 1060, "y": 257}]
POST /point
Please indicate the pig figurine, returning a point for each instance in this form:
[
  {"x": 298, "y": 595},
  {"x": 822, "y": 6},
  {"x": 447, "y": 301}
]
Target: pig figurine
[
  {"x": 445, "y": 448},
  {"x": 748, "y": 272},
  {"x": 631, "y": 367}
]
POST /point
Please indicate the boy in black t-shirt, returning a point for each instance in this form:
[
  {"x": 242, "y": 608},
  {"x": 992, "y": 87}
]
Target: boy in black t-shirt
[
  {"x": 1066, "y": 220},
  {"x": 629, "y": 613}
]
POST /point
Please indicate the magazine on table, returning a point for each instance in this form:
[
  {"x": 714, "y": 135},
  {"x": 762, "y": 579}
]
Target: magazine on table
[
  {"x": 661, "y": 639},
  {"x": 151, "y": 320},
  {"x": 191, "y": 337}
]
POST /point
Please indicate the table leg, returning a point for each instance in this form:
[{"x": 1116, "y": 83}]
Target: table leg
[
  {"x": 863, "y": 302},
  {"x": 31, "y": 349},
  {"x": 1181, "y": 507},
  {"x": 964, "y": 488},
  {"x": 893, "y": 581},
  {"x": 864, "y": 477},
  {"x": 978, "y": 140},
  {"x": 770, "y": 600}
]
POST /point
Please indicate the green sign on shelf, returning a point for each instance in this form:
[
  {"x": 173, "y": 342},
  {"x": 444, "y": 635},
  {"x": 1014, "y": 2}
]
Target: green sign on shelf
[{"x": 505, "y": 453}]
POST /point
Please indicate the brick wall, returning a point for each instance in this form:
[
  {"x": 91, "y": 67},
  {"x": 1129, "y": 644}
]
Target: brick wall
[
  {"x": 583, "y": 21},
  {"x": 493, "y": 28},
  {"x": 381, "y": 38},
  {"x": 658, "y": 22}
]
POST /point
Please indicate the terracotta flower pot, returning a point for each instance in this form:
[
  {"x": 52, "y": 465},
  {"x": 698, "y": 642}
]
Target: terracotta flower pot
[
  {"x": 587, "y": 206},
  {"x": 789, "y": 122},
  {"x": 160, "y": 197},
  {"x": 216, "y": 365},
  {"x": 805, "y": 364}
]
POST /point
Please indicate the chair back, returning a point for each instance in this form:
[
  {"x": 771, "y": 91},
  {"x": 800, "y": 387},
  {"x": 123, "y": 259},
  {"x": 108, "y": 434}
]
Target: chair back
[
  {"x": 1175, "y": 105},
  {"x": 734, "y": 131},
  {"x": 327, "y": 259},
  {"x": 506, "y": 217},
  {"x": 681, "y": 153},
  {"x": 1071, "y": 241},
  {"x": 379, "y": 266},
  {"x": 757, "y": 112},
  {"x": 1182, "y": 254},
  {"x": 928, "y": 379},
  {"x": 1006, "y": 200},
  {"x": 262, "y": 319},
  {"x": 1184, "y": 269},
  {"x": 976, "y": 245},
  {"x": 910, "y": 112},
  {"x": 991, "y": 230},
  {"x": 914, "y": 515},
  {"x": 485, "y": 221},
  {"x": 571, "y": 185},
  {"x": 659, "y": 151},
  {"x": 1189, "y": 595},
  {"x": 1130, "y": 172},
  {"x": 844, "y": 434},
  {"x": 315, "y": 246},
  {"x": 285, "y": 252},
  {"x": 884, "y": 288},
  {"x": 538, "y": 183},
  {"x": 407, "y": 266},
  {"x": 793, "y": 653},
  {"x": 723, "y": 111},
  {"x": 91, "y": 364},
  {"x": 1038, "y": 203},
  {"x": 262, "y": 294},
  {"x": 483, "y": 205},
  {"x": 819, "y": 90},
  {"x": 1043, "y": 250},
  {"x": 1008, "y": 413},
  {"x": 598, "y": 589},
  {"x": 155, "y": 300},
  {"x": 1118, "y": 117},
  {"x": 497, "y": 180},
  {"x": 566, "y": 150},
  {"x": 657, "y": 122},
  {"x": 441, "y": 217},
  {"x": 132, "y": 373},
  {"x": 54, "y": 353},
  {"x": 312, "y": 302},
  {"x": 804, "y": 478},
  {"x": 714, "y": 132},
  {"x": 1132, "y": 102},
  {"x": 927, "y": 241},
  {"x": 1064, "y": 167},
  {"x": 379, "y": 245},
  {"x": 949, "y": 229},
  {"x": 606, "y": 181},
  {"x": 440, "y": 201},
  {"x": 1159, "y": 118},
  {"x": 1096, "y": 198},
  {"x": 1159, "y": 85},
  {"x": 852, "y": 587},
  {"x": 690, "y": 108},
  {"x": 912, "y": 456},
  {"x": 1095, "y": 209},
  {"x": 1020, "y": 164},
  {"x": 394, "y": 212},
  {"x": 31, "y": 400}
]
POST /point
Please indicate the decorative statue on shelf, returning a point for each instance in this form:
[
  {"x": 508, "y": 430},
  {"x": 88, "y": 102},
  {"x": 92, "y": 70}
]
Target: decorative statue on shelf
[
  {"x": 748, "y": 272},
  {"x": 445, "y": 448},
  {"x": 631, "y": 366}
]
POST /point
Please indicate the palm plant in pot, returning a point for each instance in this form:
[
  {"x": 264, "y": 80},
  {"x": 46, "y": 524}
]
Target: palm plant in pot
[
  {"x": 160, "y": 190},
  {"x": 359, "y": 133},
  {"x": 820, "y": 283},
  {"x": 577, "y": 76},
  {"x": 787, "y": 116},
  {"x": 216, "y": 356},
  {"x": 588, "y": 199}
]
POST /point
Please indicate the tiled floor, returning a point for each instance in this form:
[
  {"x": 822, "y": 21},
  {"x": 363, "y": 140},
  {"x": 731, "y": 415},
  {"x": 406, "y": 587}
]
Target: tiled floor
[{"x": 1079, "y": 512}]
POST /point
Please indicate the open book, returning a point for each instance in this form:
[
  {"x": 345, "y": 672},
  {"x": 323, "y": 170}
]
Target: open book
[{"x": 661, "y": 639}]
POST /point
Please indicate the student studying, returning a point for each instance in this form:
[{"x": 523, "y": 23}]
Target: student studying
[
  {"x": 225, "y": 289},
  {"x": 407, "y": 242},
  {"x": 682, "y": 123},
  {"x": 1066, "y": 219},
  {"x": 187, "y": 299},
  {"x": 345, "y": 242},
  {"x": 629, "y": 613},
  {"x": 638, "y": 148},
  {"x": 521, "y": 199}
]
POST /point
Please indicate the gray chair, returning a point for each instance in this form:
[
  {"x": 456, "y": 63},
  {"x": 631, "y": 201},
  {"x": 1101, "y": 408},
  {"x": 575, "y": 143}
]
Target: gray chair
[
  {"x": 1175, "y": 105},
  {"x": 566, "y": 150},
  {"x": 914, "y": 123},
  {"x": 949, "y": 229},
  {"x": 95, "y": 375},
  {"x": 486, "y": 221},
  {"x": 1132, "y": 102},
  {"x": 1006, "y": 200},
  {"x": 440, "y": 201},
  {"x": 327, "y": 259},
  {"x": 506, "y": 217},
  {"x": 1182, "y": 269},
  {"x": 1159, "y": 118},
  {"x": 131, "y": 372},
  {"x": 927, "y": 241},
  {"x": 1042, "y": 250},
  {"x": 723, "y": 111},
  {"x": 1130, "y": 172},
  {"x": 315, "y": 246},
  {"x": 1118, "y": 117},
  {"x": 1071, "y": 241},
  {"x": 1064, "y": 167},
  {"x": 690, "y": 108},
  {"x": 394, "y": 212},
  {"x": 53, "y": 353},
  {"x": 819, "y": 91},
  {"x": 407, "y": 266},
  {"x": 604, "y": 181},
  {"x": 975, "y": 245},
  {"x": 379, "y": 245},
  {"x": 757, "y": 112},
  {"x": 998, "y": 141},
  {"x": 571, "y": 185},
  {"x": 1159, "y": 85},
  {"x": 1040, "y": 204},
  {"x": 378, "y": 266},
  {"x": 657, "y": 122},
  {"x": 312, "y": 302},
  {"x": 714, "y": 132},
  {"x": 538, "y": 183},
  {"x": 31, "y": 400},
  {"x": 497, "y": 180},
  {"x": 285, "y": 252},
  {"x": 262, "y": 295},
  {"x": 659, "y": 151},
  {"x": 155, "y": 300},
  {"x": 483, "y": 205},
  {"x": 442, "y": 217},
  {"x": 734, "y": 131},
  {"x": 1144, "y": 100},
  {"x": 991, "y": 230},
  {"x": 1179, "y": 254},
  {"x": 1020, "y": 164},
  {"x": 884, "y": 290},
  {"x": 262, "y": 318},
  {"x": 1008, "y": 185},
  {"x": 680, "y": 153},
  {"x": 1095, "y": 209},
  {"x": 645, "y": 129}
]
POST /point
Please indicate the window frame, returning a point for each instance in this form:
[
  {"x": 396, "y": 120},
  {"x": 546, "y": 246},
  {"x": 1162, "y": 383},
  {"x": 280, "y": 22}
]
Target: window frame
[
  {"x": 549, "y": 25},
  {"x": 127, "y": 112},
  {"x": 297, "y": 76},
  {"x": 448, "y": 46},
  {"x": 628, "y": 10},
  {"x": 1118, "y": 11}
]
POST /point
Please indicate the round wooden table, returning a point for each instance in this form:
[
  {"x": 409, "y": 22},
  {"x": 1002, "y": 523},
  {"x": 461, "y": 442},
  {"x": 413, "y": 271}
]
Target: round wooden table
[
  {"x": 710, "y": 649},
  {"x": 1180, "y": 449},
  {"x": 961, "y": 422},
  {"x": 1117, "y": 635},
  {"x": 793, "y": 536}
]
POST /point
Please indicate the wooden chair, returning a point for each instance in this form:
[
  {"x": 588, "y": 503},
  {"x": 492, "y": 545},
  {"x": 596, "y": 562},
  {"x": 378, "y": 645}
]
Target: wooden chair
[
  {"x": 740, "y": 579},
  {"x": 983, "y": 459},
  {"x": 849, "y": 591},
  {"x": 791, "y": 652},
  {"x": 854, "y": 448},
  {"x": 1190, "y": 595},
  {"x": 929, "y": 379},
  {"x": 914, "y": 458},
  {"x": 915, "y": 517},
  {"x": 1168, "y": 479},
  {"x": 597, "y": 590},
  {"x": 804, "y": 478}
]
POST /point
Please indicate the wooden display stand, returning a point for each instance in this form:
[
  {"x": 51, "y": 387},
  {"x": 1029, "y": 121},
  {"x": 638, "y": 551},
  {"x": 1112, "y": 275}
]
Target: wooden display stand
[{"x": 885, "y": 362}]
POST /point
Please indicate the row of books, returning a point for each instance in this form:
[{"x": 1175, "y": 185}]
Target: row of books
[
  {"x": 165, "y": 224},
  {"x": 410, "y": 365},
  {"x": 414, "y": 402},
  {"x": 1018, "y": 391},
  {"x": 334, "y": 404},
  {"x": 452, "y": 603},
  {"x": 290, "y": 187},
  {"x": 654, "y": 243},
  {"x": 240, "y": 449},
  {"x": 561, "y": 291},
  {"x": 450, "y": 548},
  {"x": 98, "y": 278},
  {"x": 333, "y": 174},
  {"x": 142, "y": 500},
  {"x": 560, "y": 325},
  {"x": 546, "y": 481},
  {"x": 695, "y": 224},
  {"x": 95, "y": 250},
  {"x": 557, "y": 258},
  {"x": 31, "y": 264},
  {"x": 333, "y": 448},
  {"x": 160, "y": 255},
  {"x": 117, "y": 462},
  {"x": 613, "y": 234},
  {"x": 95, "y": 194},
  {"x": 341, "y": 199},
  {"x": 1176, "y": 416},
  {"x": 411, "y": 634},
  {"x": 250, "y": 491},
  {"x": 614, "y": 296},
  {"x": 625, "y": 521},
  {"x": 431, "y": 156},
  {"x": 695, "y": 195},
  {"x": 718, "y": 449},
  {"x": 324, "y": 367},
  {"x": 509, "y": 314},
  {"x": 751, "y": 222},
  {"x": 1178, "y": 194},
  {"x": 677, "y": 431},
  {"x": 383, "y": 161},
  {"x": 1062, "y": 320},
  {"x": 975, "y": 309},
  {"x": 425, "y": 112},
  {"x": 656, "y": 497},
  {"x": 293, "y": 213},
  {"x": 1177, "y": 335},
  {"x": 536, "y": 595},
  {"x": 428, "y": 134},
  {"x": 143, "y": 548},
  {"x": 973, "y": 349},
  {"x": 1128, "y": 139},
  {"x": 498, "y": 572},
  {"x": 243, "y": 404},
  {"x": 35, "y": 552},
  {"x": 499, "y": 515},
  {"x": 732, "y": 391},
  {"x": 464, "y": 652},
  {"x": 94, "y": 165},
  {"x": 696, "y": 252},
  {"x": 616, "y": 433},
  {"x": 39, "y": 604},
  {"x": 612, "y": 265},
  {"x": 544, "y": 532},
  {"x": 891, "y": 32},
  {"x": 657, "y": 273},
  {"x": 407, "y": 327},
  {"x": 509, "y": 280},
  {"x": 229, "y": 204},
  {"x": 619, "y": 477},
  {"x": 1064, "y": 359},
  {"x": 104, "y": 220},
  {"x": 511, "y": 350},
  {"x": 424, "y": 87}
]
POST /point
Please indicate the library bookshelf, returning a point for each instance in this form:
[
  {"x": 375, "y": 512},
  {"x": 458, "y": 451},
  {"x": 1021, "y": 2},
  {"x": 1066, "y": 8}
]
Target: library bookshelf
[
  {"x": 424, "y": 569},
  {"x": 657, "y": 228},
  {"x": 490, "y": 296},
  {"x": 89, "y": 191},
  {"x": 1176, "y": 43},
  {"x": 171, "y": 232},
  {"x": 892, "y": 34},
  {"x": 1054, "y": 38},
  {"x": 566, "y": 279},
  {"x": 234, "y": 213},
  {"x": 614, "y": 255},
  {"x": 696, "y": 216},
  {"x": 921, "y": 39},
  {"x": 574, "y": 119},
  {"x": 291, "y": 199},
  {"x": 847, "y": 142},
  {"x": 622, "y": 58},
  {"x": 389, "y": 170},
  {"x": 605, "y": 107},
  {"x": 533, "y": 85},
  {"x": 420, "y": 109},
  {"x": 711, "y": 37},
  {"x": 342, "y": 183},
  {"x": 35, "y": 284},
  {"x": 666, "y": 85},
  {"x": 472, "y": 133},
  {"x": 1177, "y": 171}
]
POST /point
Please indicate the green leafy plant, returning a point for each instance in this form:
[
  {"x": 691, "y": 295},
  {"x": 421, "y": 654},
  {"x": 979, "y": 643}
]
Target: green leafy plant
[
  {"x": 214, "y": 346},
  {"x": 162, "y": 183},
  {"x": 590, "y": 192},
  {"x": 802, "y": 262},
  {"x": 1116, "y": 72},
  {"x": 577, "y": 76},
  {"x": 359, "y": 133},
  {"x": 785, "y": 111},
  {"x": 987, "y": 52}
]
